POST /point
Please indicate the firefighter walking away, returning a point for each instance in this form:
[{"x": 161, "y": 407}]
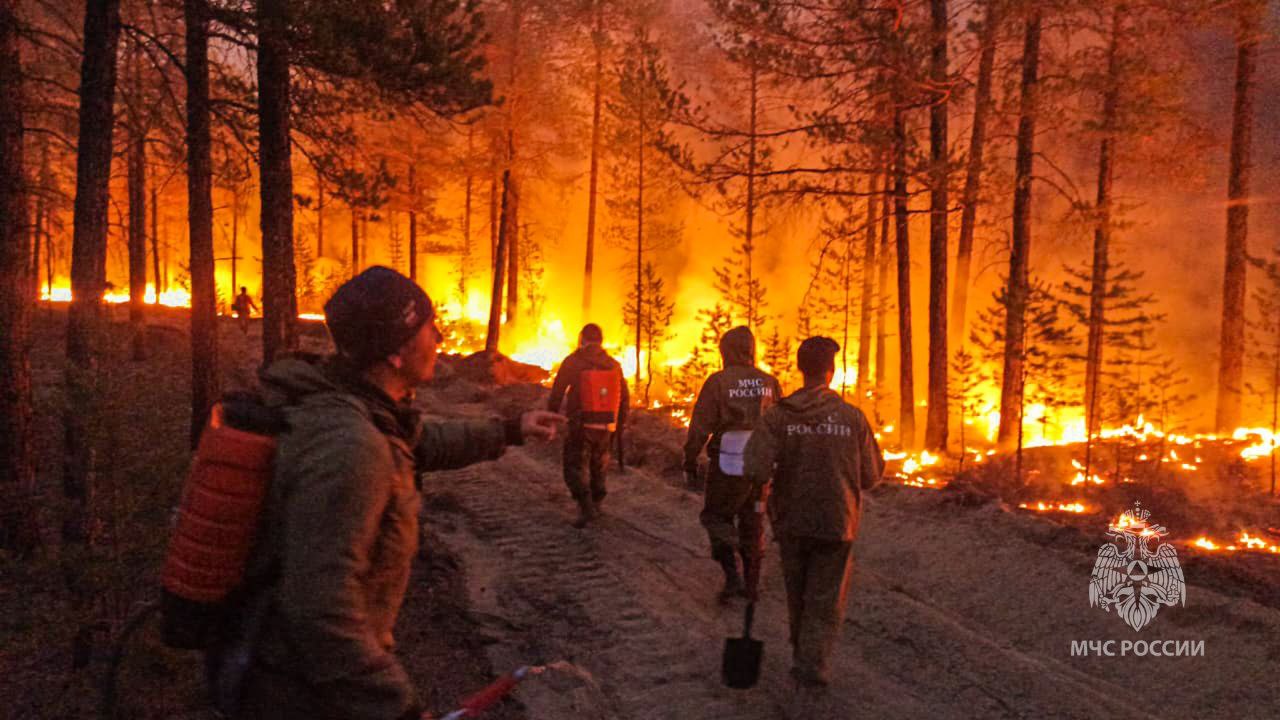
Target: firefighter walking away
[
  {"x": 728, "y": 406},
  {"x": 821, "y": 455},
  {"x": 595, "y": 398}
]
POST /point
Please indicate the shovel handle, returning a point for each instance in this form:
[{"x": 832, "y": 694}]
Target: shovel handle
[{"x": 747, "y": 620}]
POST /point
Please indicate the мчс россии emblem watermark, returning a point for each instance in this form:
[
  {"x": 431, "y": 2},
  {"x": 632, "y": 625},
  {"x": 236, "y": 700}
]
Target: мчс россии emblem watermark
[{"x": 1133, "y": 577}]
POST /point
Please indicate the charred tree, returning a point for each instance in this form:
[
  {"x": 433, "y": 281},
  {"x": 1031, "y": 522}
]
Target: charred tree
[
  {"x": 513, "y": 260},
  {"x": 413, "y": 221},
  {"x": 1098, "y": 282},
  {"x": 17, "y": 470},
  {"x": 491, "y": 341},
  {"x": 155, "y": 242},
  {"x": 494, "y": 222},
  {"x": 597, "y": 92},
  {"x": 868, "y": 292},
  {"x": 355, "y": 240},
  {"x": 982, "y": 107},
  {"x": 89, "y": 272},
  {"x": 882, "y": 291},
  {"x": 1231, "y": 346},
  {"x": 279, "y": 279},
  {"x": 137, "y": 192},
  {"x": 1009, "y": 434},
  {"x": 748, "y": 239},
  {"x": 319, "y": 217},
  {"x": 84, "y": 418},
  {"x": 935, "y": 429},
  {"x": 902, "y": 235},
  {"x": 204, "y": 293}
]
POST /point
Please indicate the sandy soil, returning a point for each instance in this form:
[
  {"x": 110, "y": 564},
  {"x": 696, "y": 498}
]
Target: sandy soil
[{"x": 956, "y": 612}]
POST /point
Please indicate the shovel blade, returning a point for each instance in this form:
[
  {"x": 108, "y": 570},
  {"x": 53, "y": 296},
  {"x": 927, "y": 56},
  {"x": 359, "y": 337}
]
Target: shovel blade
[{"x": 741, "y": 667}]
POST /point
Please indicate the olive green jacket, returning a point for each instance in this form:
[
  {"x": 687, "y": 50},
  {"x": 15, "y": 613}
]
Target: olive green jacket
[
  {"x": 821, "y": 454},
  {"x": 339, "y": 534},
  {"x": 731, "y": 399}
]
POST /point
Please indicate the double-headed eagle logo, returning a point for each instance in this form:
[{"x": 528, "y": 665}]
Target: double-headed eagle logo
[{"x": 1134, "y": 579}]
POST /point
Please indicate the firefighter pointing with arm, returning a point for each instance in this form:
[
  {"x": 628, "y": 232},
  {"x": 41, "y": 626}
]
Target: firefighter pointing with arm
[
  {"x": 730, "y": 403},
  {"x": 340, "y": 527},
  {"x": 821, "y": 455},
  {"x": 594, "y": 393}
]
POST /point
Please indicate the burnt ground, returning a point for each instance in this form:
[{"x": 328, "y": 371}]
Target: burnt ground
[{"x": 958, "y": 609}]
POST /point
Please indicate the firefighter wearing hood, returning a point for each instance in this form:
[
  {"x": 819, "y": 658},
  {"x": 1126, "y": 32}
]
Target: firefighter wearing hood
[{"x": 728, "y": 406}]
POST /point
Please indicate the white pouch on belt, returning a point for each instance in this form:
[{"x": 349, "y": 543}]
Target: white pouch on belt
[{"x": 732, "y": 446}]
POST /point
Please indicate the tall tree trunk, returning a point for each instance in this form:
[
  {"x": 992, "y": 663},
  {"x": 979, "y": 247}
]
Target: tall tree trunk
[
  {"x": 597, "y": 39},
  {"x": 1231, "y": 346},
  {"x": 279, "y": 277},
  {"x": 137, "y": 192},
  {"x": 204, "y": 292},
  {"x": 364, "y": 236},
  {"x": 906, "y": 374},
  {"x": 355, "y": 241},
  {"x": 235, "y": 243},
  {"x": 982, "y": 107},
  {"x": 493, "y": 337},
  {"x": 1011, "y": 381},
  {"x": 155, "y": 243},
  {"x": 18, "y": 531},
  {"x": 935, "y": 429},
  {"x": 882, "y": 292},
  {"x": 639, "y": 238},
  {"x": 468, "y": 251},
  {"x": 1101, "y": 242},
  {"x": 89, "y": 267},
  {"x": 494, "y": 222},
  {"x": 846, "y": 281},
  {"x": 84, "y": 420},
  {"x": 37, "y": 232},
  {"x": 748, "y": 242},
  {"x": 319, "y": 215},
  {"x": 513, "y": 261},
  {"x": 413, "y": 222},
  {"x": 40, "y": 229},
  {"x": 868, "y": 293}
]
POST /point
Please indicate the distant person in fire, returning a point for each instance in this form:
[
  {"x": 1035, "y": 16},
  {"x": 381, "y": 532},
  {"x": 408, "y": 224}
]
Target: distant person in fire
[
  {"x": 594, "y": 394},
  {"x": 243, "y": 306},
  {"x": 341, "y": 522},
  {"x": 728, "y": 406},
  {"x": 820, "y": 455}
]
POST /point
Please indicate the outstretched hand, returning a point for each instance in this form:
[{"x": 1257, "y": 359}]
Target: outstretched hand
[{"x": 541, "y": 424}]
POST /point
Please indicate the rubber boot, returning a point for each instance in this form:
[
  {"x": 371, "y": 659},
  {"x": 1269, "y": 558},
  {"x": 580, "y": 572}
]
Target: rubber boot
[
  {"x": 586, "y": 513},
  {"x": 732, "y": 580}
]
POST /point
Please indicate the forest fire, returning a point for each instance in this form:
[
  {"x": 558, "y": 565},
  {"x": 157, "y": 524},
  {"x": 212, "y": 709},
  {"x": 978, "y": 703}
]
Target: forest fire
[{"x": 1064, "y": 507}]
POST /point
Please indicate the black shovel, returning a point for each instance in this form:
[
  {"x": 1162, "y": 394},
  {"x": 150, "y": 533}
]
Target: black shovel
[
  {"x": 742, "y": 656},
  {"x": 740, "y": 668}
]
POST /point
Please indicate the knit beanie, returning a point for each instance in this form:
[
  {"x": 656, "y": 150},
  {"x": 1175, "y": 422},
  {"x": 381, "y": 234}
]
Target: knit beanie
[{"x": 374, "y": 313}]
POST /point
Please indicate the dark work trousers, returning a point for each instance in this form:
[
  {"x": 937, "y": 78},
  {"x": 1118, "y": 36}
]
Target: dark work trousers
[
  {"x": 817, "y": 574},
  {"x": 589, "y": 446},
  {"x": 729, "y": 515}
]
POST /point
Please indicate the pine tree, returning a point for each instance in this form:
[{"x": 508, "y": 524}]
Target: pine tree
[
  {"x": 642, "y": 178},
  {"x": 649, "y": 316},
  {"x": 778, "y": 359},
  {"x": 965, "y": 394},
  {"x": 1045, "y": 364}
]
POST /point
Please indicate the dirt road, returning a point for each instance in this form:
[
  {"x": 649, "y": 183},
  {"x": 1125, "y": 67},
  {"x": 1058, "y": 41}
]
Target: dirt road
[{"x": 956, "y": 612}]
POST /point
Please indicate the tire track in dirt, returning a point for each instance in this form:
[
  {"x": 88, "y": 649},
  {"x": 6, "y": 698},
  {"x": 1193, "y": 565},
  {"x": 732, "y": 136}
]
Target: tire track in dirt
[{"x": 585, "y": 594}]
